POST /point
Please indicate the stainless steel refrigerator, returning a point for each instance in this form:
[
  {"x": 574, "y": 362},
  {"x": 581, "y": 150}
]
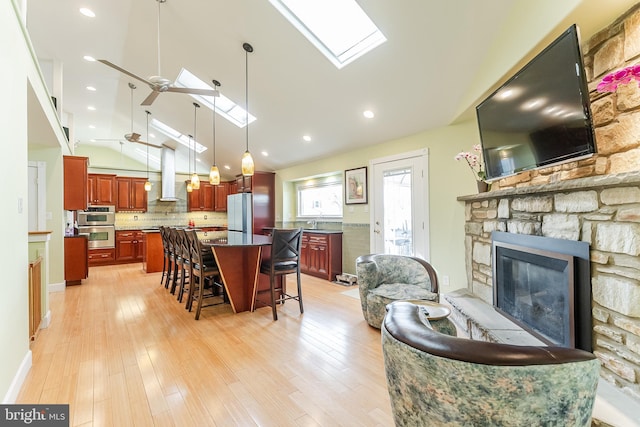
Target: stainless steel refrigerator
[{"x": 240, "y": 213}]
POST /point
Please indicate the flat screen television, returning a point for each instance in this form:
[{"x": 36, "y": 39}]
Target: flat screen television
[{"x": 541, "y": 115}]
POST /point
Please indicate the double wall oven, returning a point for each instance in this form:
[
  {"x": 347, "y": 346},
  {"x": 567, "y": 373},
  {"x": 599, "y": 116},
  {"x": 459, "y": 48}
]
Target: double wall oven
[{"x": 98, "y": 223}]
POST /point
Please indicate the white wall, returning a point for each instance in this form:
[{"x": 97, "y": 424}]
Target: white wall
[{"x": 14, "y": 257}]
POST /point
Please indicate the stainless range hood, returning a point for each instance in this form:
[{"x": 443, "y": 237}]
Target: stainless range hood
[{"x": 168, "y": 175}]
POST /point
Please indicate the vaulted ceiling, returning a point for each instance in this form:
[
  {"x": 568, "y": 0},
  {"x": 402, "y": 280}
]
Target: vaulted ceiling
[{"x": 421, "y": 78}]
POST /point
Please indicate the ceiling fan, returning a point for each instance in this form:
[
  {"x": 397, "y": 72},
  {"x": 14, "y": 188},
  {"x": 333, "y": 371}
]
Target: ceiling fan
[
  {"x": 159, "y": 84},
  {"x": 132, "y": 136}
]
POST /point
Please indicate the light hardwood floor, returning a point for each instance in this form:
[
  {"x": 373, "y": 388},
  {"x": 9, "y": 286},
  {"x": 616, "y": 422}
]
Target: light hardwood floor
[{"x": 123, "y": 352}]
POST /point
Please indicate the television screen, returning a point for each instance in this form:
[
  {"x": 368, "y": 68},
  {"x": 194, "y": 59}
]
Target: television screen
[{"x": 541, "y": 115}]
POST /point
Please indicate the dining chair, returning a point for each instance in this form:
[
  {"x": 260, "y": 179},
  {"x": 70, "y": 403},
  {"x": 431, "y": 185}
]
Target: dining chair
[
  {"x": 204, "y": 272},
  {"x": 285, "y": 259}
]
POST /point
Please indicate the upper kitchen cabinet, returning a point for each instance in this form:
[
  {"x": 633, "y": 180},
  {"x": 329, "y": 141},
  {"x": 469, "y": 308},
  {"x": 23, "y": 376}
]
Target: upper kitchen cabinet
[
  {"x": 244, "y": 184},
  {"x": 209, "y": 198},
  {"x": 220, "y": 200},
  {"x": 75, "y": 182},
  {"x": 102, "y": 189},
  {"x": 201, "y": 199},
  {"x": 130, "y": 194}
]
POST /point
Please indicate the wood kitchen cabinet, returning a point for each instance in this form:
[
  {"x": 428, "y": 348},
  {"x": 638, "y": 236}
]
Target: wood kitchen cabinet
[
  {"x": 321, "y": 254},
  {"x": 210, "y": 198},
  {"x": 75, "y": 182},
  {"x": 244, "y": 183},
  {"x": 130, "y": 193},
  {"x": 201, "y": 199},
  {"x": 102, "y": 256},
  {"x": 129, "y": 246},
  {"x": 101, "y": 189},
  {"x": 76, "y": 261},
  {"x": 220, "y": 199}
]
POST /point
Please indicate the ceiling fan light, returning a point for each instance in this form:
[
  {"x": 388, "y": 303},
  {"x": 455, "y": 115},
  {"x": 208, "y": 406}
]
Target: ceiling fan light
[
  {"x": 214, "y": 175},
  {"x": 147, "y": 186},
  {"x": 195, "y": 181},
  {"x": 247, "y": 164}
]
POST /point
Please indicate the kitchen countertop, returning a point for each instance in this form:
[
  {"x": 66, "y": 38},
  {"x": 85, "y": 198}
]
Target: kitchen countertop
[
  {"x": 312, "y": 230},
  {"x": 157, "y": 228}
]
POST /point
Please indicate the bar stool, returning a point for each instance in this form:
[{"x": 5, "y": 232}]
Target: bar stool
[
  {"x": 165, "y": 249},
  {"x": 285, "y": 259},
  {"x": 204, "y": 270}
]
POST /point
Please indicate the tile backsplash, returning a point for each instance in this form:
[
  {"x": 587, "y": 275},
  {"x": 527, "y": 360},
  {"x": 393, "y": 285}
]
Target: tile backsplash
[{"x": 140, "y": 220}]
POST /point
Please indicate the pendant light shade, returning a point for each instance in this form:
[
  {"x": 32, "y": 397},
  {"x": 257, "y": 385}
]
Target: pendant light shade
[
  {"x": 195, "y": 179},
  {"x": 214, "y": 173},
  {"x": 247, "y": 161},
  {"x": 147, "y": 185}
]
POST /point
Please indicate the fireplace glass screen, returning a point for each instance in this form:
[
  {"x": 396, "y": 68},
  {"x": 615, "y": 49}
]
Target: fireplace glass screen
[{"x": 535, "y": 289}]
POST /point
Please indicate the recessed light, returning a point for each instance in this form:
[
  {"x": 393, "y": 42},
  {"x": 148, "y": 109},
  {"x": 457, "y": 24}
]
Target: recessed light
[
  {"x": 264, "y": 153},
  {"x": 91, "y": 108},
  {"x": 92, "y": 127},
  {"x": 87, "y": 12},
  {"x": 89, "y": 58},
  {"x": 227, "y": 167},
  {"x": 91, "y": 88},
  {"x": 368, "y": 114},
  {"x": 152, "y": 135},
  {"x": 307, "y": 138}
]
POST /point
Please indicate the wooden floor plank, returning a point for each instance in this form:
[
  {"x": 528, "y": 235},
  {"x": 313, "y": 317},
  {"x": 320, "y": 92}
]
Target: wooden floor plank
[{"x": 121, "y": 350}]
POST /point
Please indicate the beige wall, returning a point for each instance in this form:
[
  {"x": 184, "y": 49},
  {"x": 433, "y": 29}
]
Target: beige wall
[{"x": 447, "y": 180}]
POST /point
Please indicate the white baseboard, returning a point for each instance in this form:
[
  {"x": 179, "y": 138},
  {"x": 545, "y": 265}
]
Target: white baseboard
[
  {"x": 57, "y": 287},
  {"x": 18, "y": 380},
  {"x": 46, "y": 320}
]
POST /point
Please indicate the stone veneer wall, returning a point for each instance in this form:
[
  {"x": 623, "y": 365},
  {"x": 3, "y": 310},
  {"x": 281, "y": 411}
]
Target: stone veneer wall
[
  {"x": 602, "y": 211},
  {"x": 616, "y": 116},
  {"x": 596, "y": 200}
]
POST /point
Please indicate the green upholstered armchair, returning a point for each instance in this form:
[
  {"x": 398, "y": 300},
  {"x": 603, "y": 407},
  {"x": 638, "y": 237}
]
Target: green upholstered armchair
[
  {"x": 383, "y": 279},
  {"x": 439, "y": 380}
]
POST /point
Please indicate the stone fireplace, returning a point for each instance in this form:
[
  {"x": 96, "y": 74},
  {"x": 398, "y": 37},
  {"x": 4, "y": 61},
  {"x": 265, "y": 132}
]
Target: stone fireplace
[
  {"x": 601, "y": 211},
  {"x": 544, "y": 285}
]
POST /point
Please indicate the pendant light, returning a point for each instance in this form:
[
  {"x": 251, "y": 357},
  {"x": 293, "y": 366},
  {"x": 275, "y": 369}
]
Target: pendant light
[
  {"x": 189, "y": 185},
  {"x": 214, "y": 174},
  {"x": 247, "y": 160},
  {"x": 195, "y": 179},
  {"x": 147, "y": 185}
]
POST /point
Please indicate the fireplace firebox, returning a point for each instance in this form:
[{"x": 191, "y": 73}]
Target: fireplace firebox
[{"x": 543, "y": 284}]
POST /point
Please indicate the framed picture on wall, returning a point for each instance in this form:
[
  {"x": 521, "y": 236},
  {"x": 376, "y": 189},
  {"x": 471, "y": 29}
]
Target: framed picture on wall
[{"x": 355, "y": 190}]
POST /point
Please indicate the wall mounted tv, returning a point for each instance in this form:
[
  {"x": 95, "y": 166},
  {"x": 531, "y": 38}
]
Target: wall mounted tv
[{"x": 541, "y": 115}]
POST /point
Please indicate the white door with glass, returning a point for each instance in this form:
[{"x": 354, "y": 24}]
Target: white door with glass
[{"x": 399, "y": 215}]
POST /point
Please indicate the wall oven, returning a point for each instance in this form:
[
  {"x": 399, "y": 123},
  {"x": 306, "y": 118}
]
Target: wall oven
[
  {"x": 97, "y": 215},
  {"x": 100, "y": 236},
  {"x": 98, "y": 223}
]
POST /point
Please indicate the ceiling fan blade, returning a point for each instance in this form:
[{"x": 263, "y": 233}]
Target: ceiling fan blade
[
  {"x": 194, "y": 91},
  {"x": 152, "y": 97},
  {"x": 148, "y": 144},
  {"x": 122, "y": 70}
]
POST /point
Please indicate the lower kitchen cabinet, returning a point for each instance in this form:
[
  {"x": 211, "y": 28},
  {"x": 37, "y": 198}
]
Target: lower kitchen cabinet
[
  {"x": 129, "y": 246},
  {"x": 321, "y": 254},
  {"x": 76, "y": 265},
  {"x": 102, "y": 256}
]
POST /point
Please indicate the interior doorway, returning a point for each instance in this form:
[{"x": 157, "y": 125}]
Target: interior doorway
[{"x": 399, "y": 200}]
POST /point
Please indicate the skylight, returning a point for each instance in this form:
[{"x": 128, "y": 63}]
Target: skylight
[
  {"x": 176, "y": 136},
  {"x": 224, "y": 106},
  {"x": 340, "y": 29}
]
